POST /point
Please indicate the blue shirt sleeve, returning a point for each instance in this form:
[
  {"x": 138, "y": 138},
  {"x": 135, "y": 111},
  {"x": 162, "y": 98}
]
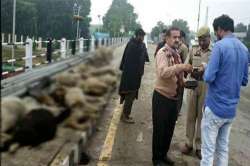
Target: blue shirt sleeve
[
  {"x": 213, "y": 65},
  {"x": 245, "y": 76}
]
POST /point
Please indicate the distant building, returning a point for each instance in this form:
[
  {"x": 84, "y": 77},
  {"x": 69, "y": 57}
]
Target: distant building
[
  {"x": 95, "y": 28},
  {"x": 100, "y": 35}
]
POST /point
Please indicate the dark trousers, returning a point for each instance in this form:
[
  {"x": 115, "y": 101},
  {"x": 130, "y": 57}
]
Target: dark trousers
[
  {"x": 164, "y": 118},
  {"x": 128, "y": 103},
  {"x": 180, "y": 100}
]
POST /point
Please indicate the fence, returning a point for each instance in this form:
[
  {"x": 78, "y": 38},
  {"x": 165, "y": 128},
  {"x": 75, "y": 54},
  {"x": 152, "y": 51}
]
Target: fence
[{"x": 37, "y": 52}]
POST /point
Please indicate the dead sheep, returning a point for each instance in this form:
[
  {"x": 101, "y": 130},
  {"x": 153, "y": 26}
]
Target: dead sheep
[
  {"x": 82, "y": 112},
  {"x": 81, "y": 84},
  {"x": 36, "y": 127},
  {"x": 12, "y": 111},
  {"x": 78, "y": 119},
  {"x": 74, "y": 97},
  {"x": 67, "y": 79},
  {"x": 81, "y": 117},
  {"x": 109, "y": 80},
  {"x": 58, "y": 92},
  {"x": 94, "y": 86},
  {"x": 102, "y": 71},
  {"x": 41, "y": 96},
  {"x": 102, "y": 56},
  {"x": 31, "y": 104},
  {"x": 93, "y": 111},
  {"x": 82, "y": 68},
  {"x": 96, "y": 100}
]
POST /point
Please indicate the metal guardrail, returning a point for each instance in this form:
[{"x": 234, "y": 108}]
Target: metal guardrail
[{"x": 67, "y": 48}]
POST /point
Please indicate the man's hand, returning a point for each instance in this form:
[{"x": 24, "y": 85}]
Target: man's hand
[
  {"x": 197, "y": 72},
  {"x": 187, "y": 68},
  {"x": 202, "y": 67}
]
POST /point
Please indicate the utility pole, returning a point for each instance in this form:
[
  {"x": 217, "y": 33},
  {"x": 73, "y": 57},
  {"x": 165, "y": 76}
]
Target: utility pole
[
  {"x": 77, "y": 30},
  {"x": 199, "y": 16},
  {"x": 13, "y": 30},
  {"x": 206, "y": 18}
]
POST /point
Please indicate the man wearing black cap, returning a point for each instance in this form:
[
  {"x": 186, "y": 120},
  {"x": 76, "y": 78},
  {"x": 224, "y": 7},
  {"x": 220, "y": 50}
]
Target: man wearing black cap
[{"x": 132, "y": 66}]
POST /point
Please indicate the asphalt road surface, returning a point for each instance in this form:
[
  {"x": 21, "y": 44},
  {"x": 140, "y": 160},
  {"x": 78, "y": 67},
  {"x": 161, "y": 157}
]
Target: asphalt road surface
[{"x": 118, "y": 144}]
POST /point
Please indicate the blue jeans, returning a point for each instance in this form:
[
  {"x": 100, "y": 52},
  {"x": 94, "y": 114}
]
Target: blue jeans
[{"x": 215, "y": 133}]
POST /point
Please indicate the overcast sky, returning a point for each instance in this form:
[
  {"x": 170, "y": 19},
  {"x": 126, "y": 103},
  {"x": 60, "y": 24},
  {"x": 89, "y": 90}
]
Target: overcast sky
[{"x": 152, "y": 11}]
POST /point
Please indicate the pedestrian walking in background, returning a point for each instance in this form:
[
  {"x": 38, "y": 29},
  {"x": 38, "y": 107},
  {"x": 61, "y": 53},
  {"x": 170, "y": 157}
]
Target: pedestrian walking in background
[{"x": 132, "y": 66}]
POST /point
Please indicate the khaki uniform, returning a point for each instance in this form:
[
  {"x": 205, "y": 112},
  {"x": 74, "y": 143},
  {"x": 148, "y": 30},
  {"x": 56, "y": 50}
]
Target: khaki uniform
[
  {"x": 196, "y": 99},
  {"x": 183, "y": 51}
]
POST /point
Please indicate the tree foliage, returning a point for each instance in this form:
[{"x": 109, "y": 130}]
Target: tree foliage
[
  {"x": 155, "y": 33},
  {"x": 182, "y": 24},
  {"x": 248, "y": 35},
  {"x": 240, "y": 28},
  {"x": 120, "y": 15},
  {"x": 45, "y": 18}
]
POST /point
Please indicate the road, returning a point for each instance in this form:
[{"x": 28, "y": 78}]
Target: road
[{"x": 118, "y": 144}]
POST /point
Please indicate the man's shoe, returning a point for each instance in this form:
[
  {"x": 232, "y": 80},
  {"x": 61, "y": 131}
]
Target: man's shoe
[
  {"x": 186, "y": 149},
  {"x": 128, "y": 120},
  {"x": 198, "y": 153},
  {"x": 159, "y": 163},
  {"x": 168, "y": 161}
]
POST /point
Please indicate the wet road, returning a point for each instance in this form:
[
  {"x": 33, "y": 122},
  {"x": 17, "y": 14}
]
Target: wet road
[{"x": 119, "y": 144}]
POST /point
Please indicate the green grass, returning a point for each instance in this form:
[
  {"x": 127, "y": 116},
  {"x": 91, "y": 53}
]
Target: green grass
[{"x": 20, "y": 53}]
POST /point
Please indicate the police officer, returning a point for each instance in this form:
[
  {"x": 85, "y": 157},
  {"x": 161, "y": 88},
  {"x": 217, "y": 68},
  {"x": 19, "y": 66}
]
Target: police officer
[
  {"x": 197, "y": 56},
  {"x": 183, "y": 51}
]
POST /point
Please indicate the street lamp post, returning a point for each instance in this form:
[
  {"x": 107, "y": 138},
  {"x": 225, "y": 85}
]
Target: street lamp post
[
  {"x": 78, "y": 14},
  {"x": 199, "y": 16},
  {"x": 77, "y": 9},
  {"x": 13, "y": 30},
  {"x": 99, "y": 19}
]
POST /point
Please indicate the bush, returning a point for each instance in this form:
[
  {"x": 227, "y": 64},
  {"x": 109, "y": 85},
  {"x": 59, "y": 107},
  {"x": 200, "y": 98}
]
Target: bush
[{"x": 247, "y": 44}]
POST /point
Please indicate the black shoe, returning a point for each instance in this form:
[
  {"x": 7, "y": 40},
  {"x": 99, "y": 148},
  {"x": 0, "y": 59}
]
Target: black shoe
[
  {"x": 198, "y": 154},
  {"x": 159, "y": 163},
  {"x": 168, "y": 161}
]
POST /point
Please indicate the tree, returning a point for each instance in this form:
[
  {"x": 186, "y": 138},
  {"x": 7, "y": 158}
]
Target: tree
[
  {"x": 55, "y": 18},
  {"x": 183, "y": 25},
  {"x": 26, "y": 17},
  {"x": 248, "y": 34},
  {"x": 240, "y": 28},
  {"x": 84, "y": 26},
  {"x": 45, "y": 18},
  {"x": 6, "y": 16},
  {"x": 120, "y": 14},
  {"x": 155, "y": 33}
]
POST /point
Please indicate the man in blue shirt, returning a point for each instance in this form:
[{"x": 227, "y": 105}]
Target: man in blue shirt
[{"x": 225, "y": 73}]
